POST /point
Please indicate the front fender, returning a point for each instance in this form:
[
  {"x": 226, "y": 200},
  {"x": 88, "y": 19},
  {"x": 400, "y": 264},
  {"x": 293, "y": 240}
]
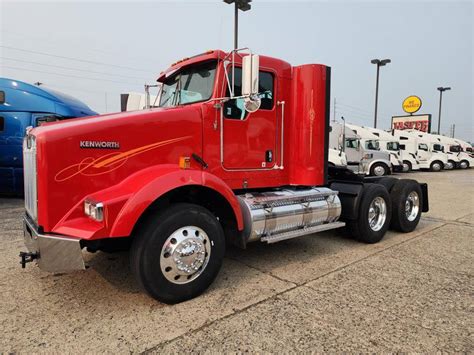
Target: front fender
[
  {"x": 124, "y": 203},
  {"x": 157, "y": 181}
]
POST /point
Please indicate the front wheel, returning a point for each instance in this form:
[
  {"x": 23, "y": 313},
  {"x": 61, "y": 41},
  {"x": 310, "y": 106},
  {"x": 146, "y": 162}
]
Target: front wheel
[
  {"x": 177, "y": 254},
  {"x": 375, "y": 212},
  {"x": 464, "y": 164},
  {"x": 436, "y": 166},
  {"x": 406, "y": 166},
  {"x": 379, "y": 169}
]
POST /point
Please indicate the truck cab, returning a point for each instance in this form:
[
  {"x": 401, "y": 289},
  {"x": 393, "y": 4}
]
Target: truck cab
[
  {"x": 392, "y": 144},
  {"x": 23, "y": 105},
  {"x": 236, "y": 152},
  {"x": 372, "y": 143},
  {"x": 429, "y": 152},
  {"x": 456, "y": 155}
]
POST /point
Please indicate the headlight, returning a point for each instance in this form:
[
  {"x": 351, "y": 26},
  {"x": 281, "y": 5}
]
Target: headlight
[{"x": 94, "y": 210}]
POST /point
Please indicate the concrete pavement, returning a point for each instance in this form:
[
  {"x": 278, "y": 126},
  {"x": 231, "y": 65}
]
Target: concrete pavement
[{"x": 411, "y": 292}]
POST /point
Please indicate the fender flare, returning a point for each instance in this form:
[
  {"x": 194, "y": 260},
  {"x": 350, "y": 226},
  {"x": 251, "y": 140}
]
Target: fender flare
[
  {"x": 152, "y": 183},
  {"x": 383, "y": 161}
]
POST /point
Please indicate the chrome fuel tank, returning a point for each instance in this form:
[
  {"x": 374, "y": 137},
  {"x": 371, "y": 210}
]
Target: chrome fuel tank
[{"x": 275, "y": 212}]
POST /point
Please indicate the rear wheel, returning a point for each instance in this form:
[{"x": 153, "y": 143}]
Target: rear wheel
[
  {"x": 178, "y": 253},
  {"x": 379, "y": 169},
  {"x": 406, "y": 205},
  {"x": 375, "y": 211},
  {"x": 436, "y": 166}
]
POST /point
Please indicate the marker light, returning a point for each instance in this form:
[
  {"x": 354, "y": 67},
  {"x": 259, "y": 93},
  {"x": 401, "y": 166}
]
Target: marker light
[
  {"x": 94, "y": 210},
  {"x": 184, "y": 162}
]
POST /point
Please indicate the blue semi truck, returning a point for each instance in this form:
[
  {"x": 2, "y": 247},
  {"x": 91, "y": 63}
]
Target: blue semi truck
[{"x": 23, "y": 105}]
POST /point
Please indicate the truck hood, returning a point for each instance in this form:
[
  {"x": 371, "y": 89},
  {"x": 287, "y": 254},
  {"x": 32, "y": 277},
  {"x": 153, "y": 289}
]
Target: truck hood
[{"x": 79, "y": 157}]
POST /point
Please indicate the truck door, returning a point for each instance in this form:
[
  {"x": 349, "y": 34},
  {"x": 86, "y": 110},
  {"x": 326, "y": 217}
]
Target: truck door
[
  {"x": 423, "y": 154},
  {"x": 249, "y": 140},
  {"x": 353, "y": 152}
]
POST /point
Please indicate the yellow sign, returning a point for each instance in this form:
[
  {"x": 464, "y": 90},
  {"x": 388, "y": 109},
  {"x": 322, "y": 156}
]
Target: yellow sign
[{"x": 411, "y": 104}]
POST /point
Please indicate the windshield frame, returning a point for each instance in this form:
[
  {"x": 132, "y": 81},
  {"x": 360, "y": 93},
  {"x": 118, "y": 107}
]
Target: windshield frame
[{"x": 177, "y": 84}]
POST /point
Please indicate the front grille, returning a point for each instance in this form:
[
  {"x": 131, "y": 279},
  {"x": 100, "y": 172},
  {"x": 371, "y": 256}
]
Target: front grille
[{"x": 29, "y": 172}]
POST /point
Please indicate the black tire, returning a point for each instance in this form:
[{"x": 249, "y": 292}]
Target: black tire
[
  {"x": 409, "y": 166},
  {"x": 388, "y": 182},
  {"x": 464, "y": 164},
  {"x": 436, "y": 166},
  {"x": 453, "y": 164},
  {"x": 386, "y": 169},
  {"x": 148, "y": 245},
  {"x": 360, "y": 228},
  {"x": 399, "y": 194}
]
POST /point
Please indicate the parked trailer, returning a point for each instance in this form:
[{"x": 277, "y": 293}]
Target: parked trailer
[
  {"x": 23, "y": 105},
  {"x": 223, "y": 160},
  {"x": 390, "y": 143}
]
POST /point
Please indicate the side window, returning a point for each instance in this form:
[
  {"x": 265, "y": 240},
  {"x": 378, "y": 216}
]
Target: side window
[
  {"x": 265, "y": 89},
  {"x": 402, "y": 146},
  {"x": 403, "y": 138},
  {"x": 2, "y": 124},
  {"x": 234, "y": 109}
]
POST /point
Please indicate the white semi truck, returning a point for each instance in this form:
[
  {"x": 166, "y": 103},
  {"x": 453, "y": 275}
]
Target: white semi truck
[
  {"x": 362, "y": 155},
  {"x": 466, "y": 147},
  {"x": 429, "y": 155},
  {"x": 372, "y": 142},
  {"x": 337, "y": 157},
  {"x": 392, "y": 144},
  {"x": 455, "y": 152}
]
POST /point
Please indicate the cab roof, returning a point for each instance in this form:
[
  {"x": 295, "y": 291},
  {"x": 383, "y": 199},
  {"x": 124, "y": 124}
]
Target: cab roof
[
  {"x": 21, "y": 96},
  {"x": 265, "y": 61}
]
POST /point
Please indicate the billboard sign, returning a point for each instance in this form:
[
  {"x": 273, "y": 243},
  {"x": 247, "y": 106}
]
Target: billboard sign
[
  {"x": 419, "y": 122},
  {"x": 411, "y": 104}
]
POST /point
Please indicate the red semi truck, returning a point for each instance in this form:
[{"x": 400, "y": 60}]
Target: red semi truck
[{"x": 236, "y": 153}]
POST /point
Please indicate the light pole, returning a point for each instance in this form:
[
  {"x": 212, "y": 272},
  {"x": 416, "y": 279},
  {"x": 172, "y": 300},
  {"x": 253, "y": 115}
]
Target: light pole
[
  {"x": 441, "y": 89},
  {"x": 243, "y": 5},
  {"x": 379, "y": 63}
]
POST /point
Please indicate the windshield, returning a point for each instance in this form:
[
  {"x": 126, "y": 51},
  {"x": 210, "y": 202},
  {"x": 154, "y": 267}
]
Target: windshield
[
  {"x": 393, "y": 146},
  {"x": 191, "y": 84},
  {"x": 372, "y": 145}
]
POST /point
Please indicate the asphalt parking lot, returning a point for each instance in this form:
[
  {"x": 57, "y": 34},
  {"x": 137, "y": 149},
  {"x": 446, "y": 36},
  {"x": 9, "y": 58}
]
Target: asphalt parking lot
[{"x": 411, "y": 292}]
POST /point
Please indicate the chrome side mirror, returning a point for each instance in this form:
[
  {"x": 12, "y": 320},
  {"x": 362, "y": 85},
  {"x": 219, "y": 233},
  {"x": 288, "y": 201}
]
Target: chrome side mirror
[{"x": 250, "y": 84}]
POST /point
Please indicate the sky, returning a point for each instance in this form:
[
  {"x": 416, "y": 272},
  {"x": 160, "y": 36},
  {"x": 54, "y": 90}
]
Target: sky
[{"x": 96, "y": 50}]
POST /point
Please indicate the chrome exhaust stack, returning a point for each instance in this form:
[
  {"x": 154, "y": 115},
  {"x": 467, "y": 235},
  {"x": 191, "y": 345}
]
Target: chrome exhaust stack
[{"x": 285, "y": 214}]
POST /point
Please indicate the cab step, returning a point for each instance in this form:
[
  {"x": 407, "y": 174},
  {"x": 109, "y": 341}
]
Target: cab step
[{"x": 300, "y": 232}]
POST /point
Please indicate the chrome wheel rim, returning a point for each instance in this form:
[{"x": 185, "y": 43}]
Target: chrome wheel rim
[
  {"x": 377, "y": 214},
  {"x": 185, "y": 254},
  {"x": 463, "y": 165},
  {"x": 412, "y": 206},
  {"x": 405, "y": 167},
  {"x": 437, "y": 167},
  {"x": 379, "y": 170}
]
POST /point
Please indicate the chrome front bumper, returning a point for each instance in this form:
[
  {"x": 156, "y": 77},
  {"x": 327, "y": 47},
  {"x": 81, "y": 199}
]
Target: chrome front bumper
[{"x": 53, "y": 253}]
